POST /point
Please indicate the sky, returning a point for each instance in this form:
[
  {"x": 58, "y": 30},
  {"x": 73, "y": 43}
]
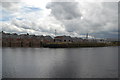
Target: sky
[{"x": 72, "y": 18}]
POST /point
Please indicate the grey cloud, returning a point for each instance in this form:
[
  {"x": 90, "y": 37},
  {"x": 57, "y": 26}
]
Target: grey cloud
[
  {"x": 119, "y": 20},
  {"x": 11, "y": 6},
  {"x": 64, "y": 10},
  {"x": 99, "y": 17},
  {"x": 9, "y": 0}
]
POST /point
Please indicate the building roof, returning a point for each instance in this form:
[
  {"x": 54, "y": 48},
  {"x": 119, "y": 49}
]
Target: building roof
[{"x": 62, "y": 37}]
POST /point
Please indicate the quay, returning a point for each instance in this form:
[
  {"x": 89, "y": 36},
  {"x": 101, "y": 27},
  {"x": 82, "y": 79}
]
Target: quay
[{"x": 26, "y": 40}]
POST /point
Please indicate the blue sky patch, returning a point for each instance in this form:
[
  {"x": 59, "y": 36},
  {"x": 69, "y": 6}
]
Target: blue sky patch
[
  {"x": 31, "y": 9},
  {"x": 6, "y": 16},
  {"x": 19, "y": 18}
]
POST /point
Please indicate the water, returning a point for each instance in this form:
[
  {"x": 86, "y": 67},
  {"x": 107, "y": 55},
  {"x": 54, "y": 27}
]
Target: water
[
  {"x": 60, "y": 63},
  {"x": 0, "y": 63}
]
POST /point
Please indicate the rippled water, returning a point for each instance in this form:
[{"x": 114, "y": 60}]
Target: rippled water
[
  {"x": 0, "y": 63},
  {"x": 60, "y": 63}
]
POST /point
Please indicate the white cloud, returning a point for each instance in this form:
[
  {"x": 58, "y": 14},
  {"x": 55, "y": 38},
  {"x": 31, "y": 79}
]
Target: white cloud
[
  {"x": 36, "y": 3},
  {"x": 75, "y": 19}
]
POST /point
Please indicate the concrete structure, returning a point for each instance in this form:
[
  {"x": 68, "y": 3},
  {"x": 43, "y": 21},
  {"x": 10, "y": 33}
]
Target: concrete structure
[
  {"x": 101, "y": 41},
  {"x": 75, "y": 39},
  {"x": 48, "y": 39},
  {"x": 24, "y": 40},
  {"x": 63, "y": 39}
]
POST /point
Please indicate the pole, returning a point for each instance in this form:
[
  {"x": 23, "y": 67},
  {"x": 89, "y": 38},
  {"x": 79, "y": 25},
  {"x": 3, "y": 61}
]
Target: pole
[{"x": 55, "y": 32}]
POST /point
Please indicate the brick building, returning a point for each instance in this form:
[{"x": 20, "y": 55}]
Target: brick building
[{"x": 23, "y": 40}]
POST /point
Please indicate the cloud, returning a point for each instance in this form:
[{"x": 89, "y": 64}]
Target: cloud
[
  {"x": 99, "y": 19},
  {"x": 39, "y": 26},
  {"x": 10, "y": 6},
  {"x": 86, "y": 17},
  {"x": 64, "y": 10}
]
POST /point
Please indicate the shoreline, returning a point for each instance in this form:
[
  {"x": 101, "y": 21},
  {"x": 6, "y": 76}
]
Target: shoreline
[{"x": 68, "y": 45}]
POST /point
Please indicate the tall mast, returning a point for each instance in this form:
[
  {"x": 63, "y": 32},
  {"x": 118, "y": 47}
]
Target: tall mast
[
  {"x": 87, "y": 36},
  {"x": 55, "y": 32}
]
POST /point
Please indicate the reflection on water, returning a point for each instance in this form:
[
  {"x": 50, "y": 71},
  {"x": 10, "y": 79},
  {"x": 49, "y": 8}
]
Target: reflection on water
[
  {"x": 60, "y": 63},
  {"x": 0, "y": 63}
]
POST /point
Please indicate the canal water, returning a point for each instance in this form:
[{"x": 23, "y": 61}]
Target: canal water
[
  {"x": 99, "y": 62},
  {"x": 0, "y": 63}
]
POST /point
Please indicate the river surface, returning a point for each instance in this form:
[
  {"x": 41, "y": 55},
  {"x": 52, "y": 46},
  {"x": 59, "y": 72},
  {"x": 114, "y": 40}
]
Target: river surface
[
  {"x": 0, "y": 63},
  {"x": 99, "y": 62}
]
